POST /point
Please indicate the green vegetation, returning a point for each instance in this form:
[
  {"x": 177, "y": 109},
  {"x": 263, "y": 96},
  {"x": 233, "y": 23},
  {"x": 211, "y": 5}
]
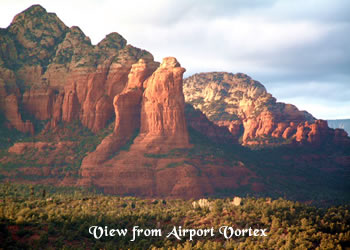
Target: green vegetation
[
  {"x": 223, "y": 116},
  {"x": 281, "y": 169},
  {"x": 217, "y": 110},
  {"x": 42, "y": 217},
  {"x": 268, "y": 141},
  {"x": 82, "y": 139},
  {"x": 65, "y": 56}
]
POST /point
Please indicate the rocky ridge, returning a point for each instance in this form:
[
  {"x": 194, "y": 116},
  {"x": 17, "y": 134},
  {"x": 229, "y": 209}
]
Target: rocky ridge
[
  {"x": 56, "y": 74},
  {"x": 61, "y": 78},
  {"x": 243, "y": 105}
]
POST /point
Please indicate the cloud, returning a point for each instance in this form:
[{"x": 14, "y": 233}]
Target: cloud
[
  {"x": 323, "y": 99},
  {"x": 297, "y": 48}
]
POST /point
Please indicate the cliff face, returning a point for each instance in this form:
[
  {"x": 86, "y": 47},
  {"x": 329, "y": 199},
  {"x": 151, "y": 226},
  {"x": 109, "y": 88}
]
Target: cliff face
[
  {"x": 245, "y": 107},
  {"x": 109, "y": 116},
  {"x": 153, "y": 103},
  {"x": 52, "y": 73},
  {"x": 127, "y": 108},
  {"x": 56, "y": 73},
  {"x": 163, "y": 103}
]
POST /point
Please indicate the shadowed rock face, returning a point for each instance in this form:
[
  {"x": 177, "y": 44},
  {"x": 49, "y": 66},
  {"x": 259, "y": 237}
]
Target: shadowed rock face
[
  {"x": 14, "y": 117},
  {"x": 200, "y": 123},
  {"x": 245, "y": 107}
]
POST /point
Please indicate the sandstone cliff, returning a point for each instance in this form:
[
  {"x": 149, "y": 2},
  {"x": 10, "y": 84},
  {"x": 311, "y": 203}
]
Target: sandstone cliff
[
  {"x": 109, "y": 116},
  {"x": 157, "y": 163},
  {"x": 58, "y": 75},
  {"x": 153, "y": 103},
  {"x": 52, "y": 73}
]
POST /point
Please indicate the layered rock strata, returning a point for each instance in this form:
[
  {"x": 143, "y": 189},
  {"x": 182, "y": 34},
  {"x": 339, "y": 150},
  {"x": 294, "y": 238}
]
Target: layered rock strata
[
  {"x": 153, "y": 103},
  {"x": 58, "y": 75},
  {"x": 250, "y": 113},
  {"x": 50, "y": 73}
]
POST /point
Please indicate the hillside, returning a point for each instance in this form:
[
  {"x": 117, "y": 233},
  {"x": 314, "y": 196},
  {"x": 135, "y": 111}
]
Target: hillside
[
  {"x": 252, "y": 115},
  {"x": 108, "y": 116}
]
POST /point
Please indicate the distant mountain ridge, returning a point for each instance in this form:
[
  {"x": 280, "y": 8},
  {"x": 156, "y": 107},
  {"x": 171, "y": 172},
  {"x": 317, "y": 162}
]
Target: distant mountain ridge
[
  {"x": 251, "y": 114},
  {"x": 340, "y": 123}
]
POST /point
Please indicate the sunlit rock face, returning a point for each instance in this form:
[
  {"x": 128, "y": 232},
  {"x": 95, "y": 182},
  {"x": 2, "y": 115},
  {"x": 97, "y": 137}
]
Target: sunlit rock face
[
  {"x": 58, "y": 75},
  {"x": 109, "y": 116},
  {"x": 243, "y": 105}
]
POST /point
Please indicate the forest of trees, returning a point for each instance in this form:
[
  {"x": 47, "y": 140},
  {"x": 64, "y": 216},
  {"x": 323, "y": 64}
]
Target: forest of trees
[{"x": 44, "y": 217}]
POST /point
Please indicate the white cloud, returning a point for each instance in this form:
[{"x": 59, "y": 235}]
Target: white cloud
[
  {"x": 325, "y": 100},
  {"x": 291, "y": 41},
  {"x": 319, "y": 108}
]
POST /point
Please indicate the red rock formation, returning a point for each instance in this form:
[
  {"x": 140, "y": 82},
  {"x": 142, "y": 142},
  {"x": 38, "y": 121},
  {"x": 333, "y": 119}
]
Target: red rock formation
[
  {"x": 70, "y": 105},
  {"x": 9, "y": 105},
  {"x": 22, "y": 147},
  {"x": 65, "y": 78},
  {"x": 127, "y": 106},
  {"x": 289, "y": 131},
  {"x": 233, "y": 99},
  {"x": 159, "y": 113},
  {"x": 39, "y": 102},
  {"x": 162, "y": 113},
  {"x": 30, "y": 74},
  {"x": 134, "y": 171},
  {"x": 57, "y": 62},
  {"x": 57, "y": 111},
  {"x": 14, "y": 117},
  {"x": 319, "y": 133},
  {"x": 278, "y": 132},
  {"x": 302, "y": 132}
]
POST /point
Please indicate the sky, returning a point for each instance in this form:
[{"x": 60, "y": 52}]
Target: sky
[{"x": 298, "y": 49}]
